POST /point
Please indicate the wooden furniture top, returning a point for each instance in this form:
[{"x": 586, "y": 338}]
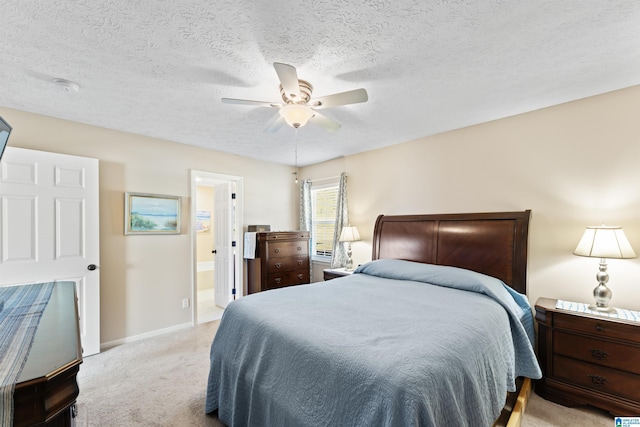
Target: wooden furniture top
[
  {"x": 544, "y": 305},
  {"x": 47, "y": 387},
  {"x": 334, "y": 273},
  {"x": 56, "y": 344}
]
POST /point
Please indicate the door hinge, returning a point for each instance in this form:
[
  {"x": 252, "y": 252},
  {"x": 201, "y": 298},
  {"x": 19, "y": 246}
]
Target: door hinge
[{"x": 233, "y": 291}]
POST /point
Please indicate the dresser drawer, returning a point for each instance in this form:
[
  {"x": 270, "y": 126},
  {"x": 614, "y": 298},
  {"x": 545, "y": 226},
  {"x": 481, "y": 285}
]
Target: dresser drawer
[
  {"x": 287, "y": 249},
  {"x": 288, "y": 264},
  {"x": 275, "y": 235},
  {"x": 596, "y": 351},
  {"x": 596, "y": 377},
  {"x": 287, "y": 278},
  {"x": 596, "y": 327}
]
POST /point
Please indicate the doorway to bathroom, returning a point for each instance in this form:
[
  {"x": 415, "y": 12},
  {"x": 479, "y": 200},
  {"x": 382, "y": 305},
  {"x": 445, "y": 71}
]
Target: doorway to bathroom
[{"x": 216, "y": 212}]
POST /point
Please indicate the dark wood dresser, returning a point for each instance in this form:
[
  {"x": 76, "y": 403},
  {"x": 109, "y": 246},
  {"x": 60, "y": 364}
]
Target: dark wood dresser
[
  {"x": 46, "y": 391},
  {"x": 588, "y": 359},
  {"x": 282, "y": 259}
]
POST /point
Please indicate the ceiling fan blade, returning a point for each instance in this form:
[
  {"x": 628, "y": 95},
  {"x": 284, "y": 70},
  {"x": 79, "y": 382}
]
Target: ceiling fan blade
[
  {"x": 275, "y": 123},
  {"x": 343, "y": 98},
  {"x": 325, "y": 122},
  {"x": 288, "y": 79},
  {"x": 250, "y": 102}
]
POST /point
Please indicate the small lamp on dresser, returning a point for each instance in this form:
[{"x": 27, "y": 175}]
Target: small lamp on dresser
[
  {"x": 604, "y": 242},
  {"x": 349, "y": 234}
]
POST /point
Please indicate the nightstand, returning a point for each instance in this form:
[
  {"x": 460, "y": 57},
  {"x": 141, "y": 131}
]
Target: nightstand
[
  {"x": 332, "y": 273},
  {"x": 588, "y": 359}
]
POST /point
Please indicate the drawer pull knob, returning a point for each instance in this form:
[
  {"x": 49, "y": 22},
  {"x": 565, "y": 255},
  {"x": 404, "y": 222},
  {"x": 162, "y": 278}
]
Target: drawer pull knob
[
  {"x": 276, "y": 250},
  {"x": 278, "y": 265},
  {"x": 599, "y": 328},
  {"x": 598, "y": 354},
  {"x": 299, "y": 248},
  {"x": 597, "y": 380},
  {"x": 300, "y": 276},
  {"x": 278, "y": 280},
  {"x": 299, "y": 262}
]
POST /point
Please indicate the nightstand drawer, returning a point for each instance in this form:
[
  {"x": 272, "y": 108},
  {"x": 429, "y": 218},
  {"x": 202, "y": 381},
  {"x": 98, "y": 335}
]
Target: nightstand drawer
[
  {"x": 598, "y": 378},
  {"x": 596, "y": 351},
  {"x": 604, "y": 327}
]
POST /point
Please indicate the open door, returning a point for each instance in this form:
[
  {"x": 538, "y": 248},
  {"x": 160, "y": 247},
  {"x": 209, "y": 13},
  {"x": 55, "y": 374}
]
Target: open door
[
  {"x": 49, "y": 228},
  {"x": 223, "y": 245},
  {"x": 212, "y": 291}
]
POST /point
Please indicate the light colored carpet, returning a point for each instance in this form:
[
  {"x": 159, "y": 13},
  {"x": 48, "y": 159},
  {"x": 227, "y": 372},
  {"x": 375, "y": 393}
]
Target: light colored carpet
[
  {"x": 542, "y": 413},
  {"x": 161, "y": 381}
]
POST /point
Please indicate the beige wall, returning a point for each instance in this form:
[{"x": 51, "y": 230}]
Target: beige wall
[
  {"x": 145, "y": 278},
  {"x": 573, "y": 165}
]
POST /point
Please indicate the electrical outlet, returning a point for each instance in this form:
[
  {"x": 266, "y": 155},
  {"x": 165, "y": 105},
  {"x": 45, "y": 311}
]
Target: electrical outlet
[{"x": 185, "y": 303}]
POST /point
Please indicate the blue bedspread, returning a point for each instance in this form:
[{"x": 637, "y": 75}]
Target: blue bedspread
[{"x": 383, "y": 347}]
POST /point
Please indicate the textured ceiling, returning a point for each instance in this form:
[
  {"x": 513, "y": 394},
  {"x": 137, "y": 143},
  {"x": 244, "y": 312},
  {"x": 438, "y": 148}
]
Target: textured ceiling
[{"x": 159, "y": 68}]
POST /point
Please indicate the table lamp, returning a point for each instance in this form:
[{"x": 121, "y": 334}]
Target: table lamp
[
  {"x": 349, "y": 234},
  {"x": 603, "y": 242}
]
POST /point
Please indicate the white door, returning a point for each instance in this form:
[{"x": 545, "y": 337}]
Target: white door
[
  {"x": 223, "y": 236},
  {"x": 49, "y": 229}
]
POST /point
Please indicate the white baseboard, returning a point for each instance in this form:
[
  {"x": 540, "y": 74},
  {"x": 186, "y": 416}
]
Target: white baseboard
[
  {"x": 206, "y": 266},
  {"x": 109, "y": 344}
]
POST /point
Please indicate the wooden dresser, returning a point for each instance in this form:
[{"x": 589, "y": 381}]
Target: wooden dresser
[
  {"x": 588, "y": 359},
  {"x": 46, "y": 391},
  {"x": 282, "y": 259}
]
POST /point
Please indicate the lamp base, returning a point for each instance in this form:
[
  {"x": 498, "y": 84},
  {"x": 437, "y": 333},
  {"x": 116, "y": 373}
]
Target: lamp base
[
  {"x": 601, "y": 309},
  {"x": 349, "y": 264},
  {"x": 601, "y": 293}
]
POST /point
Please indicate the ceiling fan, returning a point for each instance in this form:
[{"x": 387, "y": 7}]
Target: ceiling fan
[{"x": 298, "y": 107}]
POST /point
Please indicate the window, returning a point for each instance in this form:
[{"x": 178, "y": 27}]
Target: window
[{"x": 324, "y": 200}]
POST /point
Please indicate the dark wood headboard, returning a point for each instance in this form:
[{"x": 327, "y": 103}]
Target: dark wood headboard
[{"x": 490, "y": 243}]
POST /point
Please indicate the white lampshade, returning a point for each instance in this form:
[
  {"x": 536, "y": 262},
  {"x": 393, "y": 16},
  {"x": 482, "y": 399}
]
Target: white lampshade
[
  {"x": 296, "y": 115},
  {"x": 604, "y": 242},
  {"x": 349, "y": 234}
]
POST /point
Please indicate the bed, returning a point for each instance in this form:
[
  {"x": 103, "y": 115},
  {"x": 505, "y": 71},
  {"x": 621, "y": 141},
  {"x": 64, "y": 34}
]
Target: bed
[{"x": 425, "y": 334}]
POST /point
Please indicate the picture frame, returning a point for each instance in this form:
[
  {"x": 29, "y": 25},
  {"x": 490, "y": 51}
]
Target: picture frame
[
  {"x": 147, "y": 213},
  {"x": 203, "y": 221}
]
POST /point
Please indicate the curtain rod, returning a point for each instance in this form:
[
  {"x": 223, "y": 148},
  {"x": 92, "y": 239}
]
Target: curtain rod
[{"x": 325, "y": 179}]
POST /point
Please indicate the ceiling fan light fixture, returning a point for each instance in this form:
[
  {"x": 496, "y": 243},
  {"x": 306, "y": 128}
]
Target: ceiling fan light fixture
[{"x": 296, "y": 115}]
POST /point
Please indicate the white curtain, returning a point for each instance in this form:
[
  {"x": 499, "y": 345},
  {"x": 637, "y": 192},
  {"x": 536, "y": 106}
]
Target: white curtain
[
  {"x": 305, "y": 205},
  {"x": 305, "y": 212},
  {"x": 339, "y": 255}
]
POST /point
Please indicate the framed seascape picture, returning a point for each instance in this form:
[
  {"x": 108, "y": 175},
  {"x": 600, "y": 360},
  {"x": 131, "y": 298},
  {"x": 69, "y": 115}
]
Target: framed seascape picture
[
  {"x": 151, "y": 214},
  {"x": 203, "y": 221}
]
